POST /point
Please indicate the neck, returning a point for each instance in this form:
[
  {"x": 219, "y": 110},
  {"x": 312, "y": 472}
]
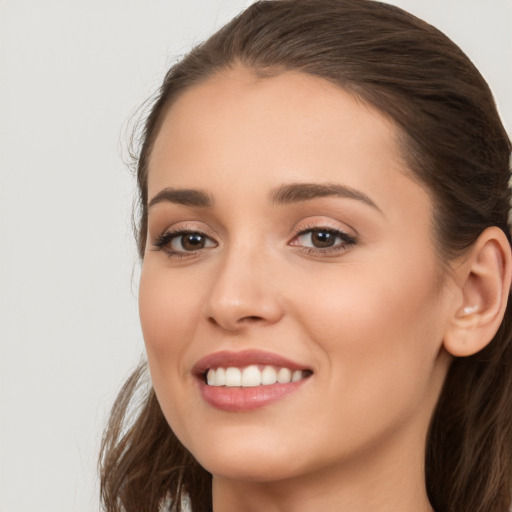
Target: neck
[{"x": 393, "y": 481}]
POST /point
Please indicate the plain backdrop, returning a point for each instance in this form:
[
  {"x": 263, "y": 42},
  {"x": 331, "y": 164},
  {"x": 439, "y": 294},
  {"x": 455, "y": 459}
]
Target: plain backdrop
[{"x": 72, "y": 73}]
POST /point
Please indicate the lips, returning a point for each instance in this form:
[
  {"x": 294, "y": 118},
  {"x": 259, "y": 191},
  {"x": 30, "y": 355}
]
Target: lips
[
  {"x": 244, "y": 381},
  {"x": 244, "y": 358}
]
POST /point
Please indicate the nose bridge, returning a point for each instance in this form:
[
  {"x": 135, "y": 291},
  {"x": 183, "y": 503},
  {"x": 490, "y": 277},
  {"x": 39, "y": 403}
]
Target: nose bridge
[{"x": 242, "y": 292}]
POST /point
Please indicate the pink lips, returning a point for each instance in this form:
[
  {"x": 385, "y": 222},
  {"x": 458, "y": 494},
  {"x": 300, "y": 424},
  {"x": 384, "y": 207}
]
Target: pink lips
[
  {"x": 240, "y": 399},
  {"x": 244, "y": 358}
]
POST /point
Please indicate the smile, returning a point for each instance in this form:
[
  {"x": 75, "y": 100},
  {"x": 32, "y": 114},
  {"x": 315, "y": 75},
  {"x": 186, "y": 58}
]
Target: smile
[
  {"x": 248, "y": 380},
  {"x": 253, "y": 375}
]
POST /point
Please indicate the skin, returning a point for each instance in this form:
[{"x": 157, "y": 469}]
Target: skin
[{"x": 368, "y": 318}]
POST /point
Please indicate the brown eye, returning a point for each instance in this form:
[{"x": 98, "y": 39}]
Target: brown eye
[
  {"x": 190, "y": 241},
  {"x": 181, "y": 243},
  {"x": 322, "y": 238}
]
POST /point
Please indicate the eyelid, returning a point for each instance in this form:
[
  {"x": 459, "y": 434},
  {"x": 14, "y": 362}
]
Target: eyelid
[
  {"x": 315, "y": 223},
  {"x": 163, "y": 239},
  {"x": 181, "y": 234},
  {"x": 186, "y": 226},
  {"x": 347, "y": 236}
]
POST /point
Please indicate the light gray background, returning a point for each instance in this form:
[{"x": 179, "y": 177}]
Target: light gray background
[{"x": 72, "y": 72}]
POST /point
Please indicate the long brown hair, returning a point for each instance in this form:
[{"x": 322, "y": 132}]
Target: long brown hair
[{"x": 455, "y": 145}]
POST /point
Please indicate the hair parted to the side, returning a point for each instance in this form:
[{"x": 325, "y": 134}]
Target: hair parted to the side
[{"x": 454, "y": 144}]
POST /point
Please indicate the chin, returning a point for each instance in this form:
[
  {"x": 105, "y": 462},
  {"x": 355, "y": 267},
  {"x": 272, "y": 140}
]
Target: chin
[
  {"x": 250, "y": 454},
  {"x": 243, "y": 467}
]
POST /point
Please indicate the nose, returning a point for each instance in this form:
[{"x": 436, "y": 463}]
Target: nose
[{"x": 243, "y": 293}]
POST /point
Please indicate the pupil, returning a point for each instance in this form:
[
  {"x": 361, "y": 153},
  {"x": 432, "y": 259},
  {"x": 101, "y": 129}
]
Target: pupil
[
  {"x": 323, "y": 238},
  {"x": 193, "y": 241}
]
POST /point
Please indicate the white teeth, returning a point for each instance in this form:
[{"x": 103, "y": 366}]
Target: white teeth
[
  {"x": 268, "y": 375},
  {"x": 284, "y": 376},
  {"x": 297, "y": 375},
  {"x": 233, "y": 377},
  {"x": 220, "y": 377},
  {"x": 216, "y": 377},
  {"x": 252, "y": 376}
]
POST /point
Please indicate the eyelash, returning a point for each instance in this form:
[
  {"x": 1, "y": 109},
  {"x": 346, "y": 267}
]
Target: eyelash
[
  {"x": 164, "y": 240},
  {"x": 346, "y": 241}
]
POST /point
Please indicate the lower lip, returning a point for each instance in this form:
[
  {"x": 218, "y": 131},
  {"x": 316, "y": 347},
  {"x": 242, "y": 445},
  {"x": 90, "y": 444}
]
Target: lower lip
[{"x": 238, "y": 399}]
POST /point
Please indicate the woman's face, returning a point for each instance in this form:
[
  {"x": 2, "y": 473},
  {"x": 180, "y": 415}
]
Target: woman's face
[{"x": 287, "y": 241}]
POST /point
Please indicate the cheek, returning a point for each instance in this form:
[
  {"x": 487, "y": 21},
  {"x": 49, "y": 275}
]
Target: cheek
[
  {"x": 381, "y": 335},
  {"x": 369, "y": 303},
  {"x": 167, "y": 318},
  {"x": 168, "y": 313}
]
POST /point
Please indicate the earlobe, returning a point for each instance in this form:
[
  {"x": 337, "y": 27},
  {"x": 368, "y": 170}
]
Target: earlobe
[{"x": 484, "y": 280}]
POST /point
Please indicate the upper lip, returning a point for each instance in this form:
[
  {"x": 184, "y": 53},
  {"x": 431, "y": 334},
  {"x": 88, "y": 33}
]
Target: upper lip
[{"x": 244, "y": 358}]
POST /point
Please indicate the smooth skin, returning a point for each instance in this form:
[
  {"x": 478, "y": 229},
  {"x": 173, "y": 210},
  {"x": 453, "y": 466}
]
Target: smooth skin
[{"x": 372, "y": 311}]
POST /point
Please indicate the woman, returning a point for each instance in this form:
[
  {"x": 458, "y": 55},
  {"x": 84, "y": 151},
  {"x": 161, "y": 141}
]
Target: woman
[{"x": 326, "y": 267}]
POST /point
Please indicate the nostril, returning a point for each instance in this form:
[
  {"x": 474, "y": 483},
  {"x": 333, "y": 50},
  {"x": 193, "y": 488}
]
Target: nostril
[
  {"x": 238, "y": 322},
  {"x": 249, "y": 319}
]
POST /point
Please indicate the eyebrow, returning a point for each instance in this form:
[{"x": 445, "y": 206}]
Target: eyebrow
[
  {"x": 284, "y": 194},
  {"x": 296, "y": 192},
  {"x": 184, "y": 196}
]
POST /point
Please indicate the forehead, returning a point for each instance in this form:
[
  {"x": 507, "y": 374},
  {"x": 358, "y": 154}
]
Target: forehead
[
  {"x": 237, "y": 106},
  {"x": 240, "y": 128}
]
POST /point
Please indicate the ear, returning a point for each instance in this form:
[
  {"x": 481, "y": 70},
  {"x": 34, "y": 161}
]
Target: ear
[{"x": 483, "y": 280}]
